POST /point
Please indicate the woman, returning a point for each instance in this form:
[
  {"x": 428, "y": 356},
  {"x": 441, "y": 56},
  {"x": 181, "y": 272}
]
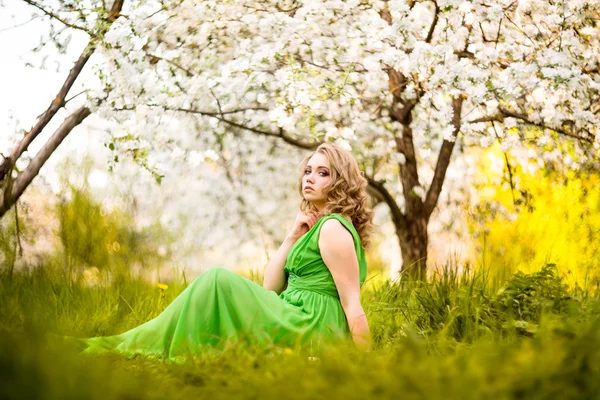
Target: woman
[{"x": 311, "y": 292}]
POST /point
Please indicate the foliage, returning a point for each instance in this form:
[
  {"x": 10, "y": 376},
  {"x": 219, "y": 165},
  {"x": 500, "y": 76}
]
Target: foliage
[
  {"x": 467, "y": 306},
  {"x": 97, "y": 235},
  {"x": 541, "y": 215},
  {"x": 13, "y": 231},
  {"x": 526, "y": 296},
  {"x": 94, "y": 237},
  {"x": 414, "y": 355},
  {"x": 80, "y": 233},
  {"x": 18, "y": 230}
]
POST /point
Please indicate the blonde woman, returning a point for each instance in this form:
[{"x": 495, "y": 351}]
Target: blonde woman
[{"x": 311, "y": 291}]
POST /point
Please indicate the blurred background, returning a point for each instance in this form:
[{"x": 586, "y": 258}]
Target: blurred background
[{"x": 89, "y": 212}]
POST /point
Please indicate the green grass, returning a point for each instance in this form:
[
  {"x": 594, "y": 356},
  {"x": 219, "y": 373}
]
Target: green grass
[{"x": 456, "y": 336}]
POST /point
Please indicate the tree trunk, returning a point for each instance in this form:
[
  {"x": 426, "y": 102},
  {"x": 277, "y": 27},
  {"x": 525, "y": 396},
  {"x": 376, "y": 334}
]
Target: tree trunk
[{"x": 413, "y": 245}]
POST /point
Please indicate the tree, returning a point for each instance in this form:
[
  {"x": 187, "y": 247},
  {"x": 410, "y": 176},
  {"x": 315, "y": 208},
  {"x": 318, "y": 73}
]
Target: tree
[
  {"x": 394, "y": 80},
  {"x": 12, "y": 185},
  {"x": 400, "y": 82}
]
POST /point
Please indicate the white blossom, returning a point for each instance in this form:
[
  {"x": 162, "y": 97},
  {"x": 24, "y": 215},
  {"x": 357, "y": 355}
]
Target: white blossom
[
  {"x": 419, "y": 191},
  {"x": 207, "y": 81}
]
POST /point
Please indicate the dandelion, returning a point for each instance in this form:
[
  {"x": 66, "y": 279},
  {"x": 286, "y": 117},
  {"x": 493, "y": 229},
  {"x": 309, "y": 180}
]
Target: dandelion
[{"x": 162, "y": 288}]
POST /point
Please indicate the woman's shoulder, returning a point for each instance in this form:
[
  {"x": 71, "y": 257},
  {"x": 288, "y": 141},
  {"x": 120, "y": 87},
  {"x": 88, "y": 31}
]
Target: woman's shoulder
[
  {"x": 338, "y": 216},
  {"x": 335, "y": 231},
  {"x": 339, "y": 232},
  {"x": 336, "y": 223}
]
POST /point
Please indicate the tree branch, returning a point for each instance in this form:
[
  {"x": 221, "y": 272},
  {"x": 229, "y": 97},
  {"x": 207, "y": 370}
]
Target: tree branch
[
  {"x": 59, "y": 100},
  {"x": 220, "y": 116},
  {"x": 56, "y": 105},
  {"x": 490, "y": 118},
  {"x": 397, "y": 83},
  {"x": 398, "y": 218},
  {"x": 443, "y": 161},
  {"x": 507, "y": 113},
  {"x": 525, "y": 118},
  {"x": 154, "y": 59},
  {"x": 58, "y": 18},
  {"x": 281, "y": 134},
  {"x": 402, "y": 112},
  {"x": 33, "y": 18},
  {"x": 22, "y": 181},
  {"x": 433, "y": 23}
]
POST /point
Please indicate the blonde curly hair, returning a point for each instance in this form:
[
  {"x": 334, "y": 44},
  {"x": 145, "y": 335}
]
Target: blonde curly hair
[{"x": 346, "y": 191}]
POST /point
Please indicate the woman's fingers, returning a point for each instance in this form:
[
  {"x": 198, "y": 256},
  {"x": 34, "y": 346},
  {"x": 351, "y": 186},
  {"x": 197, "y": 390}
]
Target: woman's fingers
[
  {"x": 310, "y": 218},
  {"x": 313, "y": 216},
  {"x": 307, "y": 222}
]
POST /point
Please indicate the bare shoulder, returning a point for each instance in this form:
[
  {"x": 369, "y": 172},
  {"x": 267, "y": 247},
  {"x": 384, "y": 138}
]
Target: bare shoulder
[{"x": 334, "y": 234}]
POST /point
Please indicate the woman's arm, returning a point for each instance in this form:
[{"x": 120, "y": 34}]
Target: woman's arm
[
  {"x": 275, "y": 278},
  {"x": 338, "y": 253}
]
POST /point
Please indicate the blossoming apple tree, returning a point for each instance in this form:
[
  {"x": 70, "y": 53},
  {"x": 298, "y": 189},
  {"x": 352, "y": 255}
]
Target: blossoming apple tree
[{"x": 401, "y": 83}]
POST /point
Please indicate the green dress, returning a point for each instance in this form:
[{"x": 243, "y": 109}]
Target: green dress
[{"x": 221, "y": 307}]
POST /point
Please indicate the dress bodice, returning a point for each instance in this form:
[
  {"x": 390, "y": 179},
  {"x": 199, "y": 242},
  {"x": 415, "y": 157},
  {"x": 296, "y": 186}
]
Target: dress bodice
[{"x": 305, "y": 267}]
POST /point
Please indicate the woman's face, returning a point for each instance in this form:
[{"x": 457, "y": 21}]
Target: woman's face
[{"x": 316, "y": 177}]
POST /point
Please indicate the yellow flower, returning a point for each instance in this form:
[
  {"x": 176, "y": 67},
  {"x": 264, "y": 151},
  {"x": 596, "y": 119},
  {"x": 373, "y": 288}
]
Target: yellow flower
[
  {"x": 162, "y": 286},
  {"x": 288, "y": 351}
]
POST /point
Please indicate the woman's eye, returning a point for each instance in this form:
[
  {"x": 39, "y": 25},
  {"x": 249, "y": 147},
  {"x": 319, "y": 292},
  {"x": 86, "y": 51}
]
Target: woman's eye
[{"x": 322, "y": 173}]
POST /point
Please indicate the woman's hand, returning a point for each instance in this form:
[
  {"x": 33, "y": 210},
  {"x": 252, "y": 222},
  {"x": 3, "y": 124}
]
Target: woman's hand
[{"x": 303, "y": 223}]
